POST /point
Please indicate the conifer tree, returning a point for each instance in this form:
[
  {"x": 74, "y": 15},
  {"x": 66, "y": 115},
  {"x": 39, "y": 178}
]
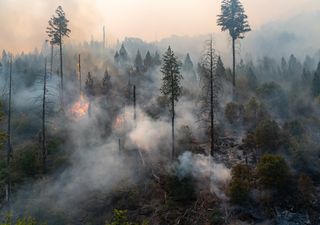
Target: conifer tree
[
  {"x": 57, "y": 30},
  {"x": 148, "y": 61},
  {"x": 171, "y": 86},
  {"x": 233, "y": 19},
  {"x": 138, "y": 63},
  {"x": 156, "y": 59}
]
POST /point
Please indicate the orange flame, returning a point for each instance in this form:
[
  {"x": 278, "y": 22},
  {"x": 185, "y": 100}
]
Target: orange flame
[{"x": 79, "y": 108}]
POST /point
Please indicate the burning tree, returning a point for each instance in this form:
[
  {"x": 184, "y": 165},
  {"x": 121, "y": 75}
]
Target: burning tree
[
  {"x": 171, "y": 87},
  {"x": 233, "y": 19},
  {"x": 57, "y": 30}
]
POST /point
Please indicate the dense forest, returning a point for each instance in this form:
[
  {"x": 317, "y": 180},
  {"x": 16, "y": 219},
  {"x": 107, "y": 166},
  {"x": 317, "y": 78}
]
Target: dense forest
[{"x": 135, "y": 133}]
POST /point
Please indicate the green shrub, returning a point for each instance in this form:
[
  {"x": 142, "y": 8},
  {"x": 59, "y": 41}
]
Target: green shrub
[
  {"x": 120, "y": 217},
  {"x": 273, "y": 172},
  {"x": 268, "y": 135},
  {"x": 20, "y": 221},
  {"x": 239, "y": 187},
  {"x": 239, "y": 191}
]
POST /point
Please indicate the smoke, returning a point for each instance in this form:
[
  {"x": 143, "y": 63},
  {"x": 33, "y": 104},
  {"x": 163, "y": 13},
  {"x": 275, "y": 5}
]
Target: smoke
[{"x": 203, "y": 169}]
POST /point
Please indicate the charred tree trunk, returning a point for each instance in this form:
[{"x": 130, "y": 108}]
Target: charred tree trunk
[
  {"x": 135, "y": 120},
  {"x": 61, "y": 74},
  {"x": 9, "y": 148},
  {"x": 134, "y": 105},
  {"x": 44, "y": 145},
  {"x": 211, "y": 101},
  {"x": 233, "y": 69},
  {"x": 172, "y": 119},
  {"x": 51, "y": 60},
  {"x": 79, "y": 68}
]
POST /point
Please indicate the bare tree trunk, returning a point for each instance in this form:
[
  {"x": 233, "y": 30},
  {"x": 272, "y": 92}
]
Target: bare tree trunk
[
  {"x": 79, "y": 68},
  {"x": 9, "y": 149},
  {"x": 61, "y": 75},
  {"x": 104, "y": 38},
  {"x": 51, "y": 60},
  {"x": 134, "y": 105},
  {"x": 135, "y": 120},
  {"x": 173, "y": 117},
  {"x": 211, "y": 101},
  {"x": 233, "y": 69},
  {"x": 44, "y": 146}
]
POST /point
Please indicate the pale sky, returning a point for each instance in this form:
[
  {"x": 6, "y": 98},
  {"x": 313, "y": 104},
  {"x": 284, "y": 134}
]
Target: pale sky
[{"x": 23, "y": 22}]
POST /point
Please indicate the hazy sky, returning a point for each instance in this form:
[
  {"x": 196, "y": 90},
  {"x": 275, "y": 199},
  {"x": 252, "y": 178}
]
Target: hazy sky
[{"x": 23, "y": 22}]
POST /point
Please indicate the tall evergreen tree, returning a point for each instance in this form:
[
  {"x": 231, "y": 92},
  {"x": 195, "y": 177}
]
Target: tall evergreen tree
[
  {"x": 89, "y": 85},
  {"x": 116, "y": 58},
  {"x": 148, "y": 62},
  {"x": 188, "y": 67},
  {"x": 156, "y": 59},
  {"x": 57, "y": 30},
  {"x": 123, "y": 55},
  {"x": 171, "y": 86},
  {"x": 233, "y": 19},
  {"x": 188, "y": 64},
  {"x": 138, "y": 63},
  {"x": 106, "y": 83}
]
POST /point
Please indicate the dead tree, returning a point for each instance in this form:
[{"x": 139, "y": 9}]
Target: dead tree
[
  {"x": 135, "y": 120},
  {"x": 44, "y": 144},
  {"x": 79, "y": 73},
  {"x": 9, "y": 147},
  {"x": 211, "y": 71}
]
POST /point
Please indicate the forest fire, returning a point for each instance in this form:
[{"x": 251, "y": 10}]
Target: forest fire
[
  {"x": 79, "y": 108},
  {"x": 119, "y": 121}
]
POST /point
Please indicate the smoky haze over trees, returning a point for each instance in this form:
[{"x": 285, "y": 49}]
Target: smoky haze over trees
[{"x": 151, "y": 140}]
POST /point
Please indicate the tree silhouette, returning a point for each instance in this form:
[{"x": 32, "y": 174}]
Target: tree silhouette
[
  {"x": 171, "y": 87},
  {"x": 233, "y": 19},
  {"x": 211, "y": 72},
  {"x": 57, "y": 30}
]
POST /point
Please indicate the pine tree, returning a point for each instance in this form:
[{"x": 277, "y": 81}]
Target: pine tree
[
  {"x": 117, "y": 58},
  {"x": 233, "y": 19},
  {"x": 138, "y": 63},
  {"x": 123, "y": 55},
  {"x": 148, "y": 62},
  {"x": 188, "y": 64},
  {"x": 57, "y": 30},
  {"x": 89, "y": 85},
  {"x": 171, "y": 86},
  {"x": 106, "y": 83},
  {"x": 156, "y": 59}
]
